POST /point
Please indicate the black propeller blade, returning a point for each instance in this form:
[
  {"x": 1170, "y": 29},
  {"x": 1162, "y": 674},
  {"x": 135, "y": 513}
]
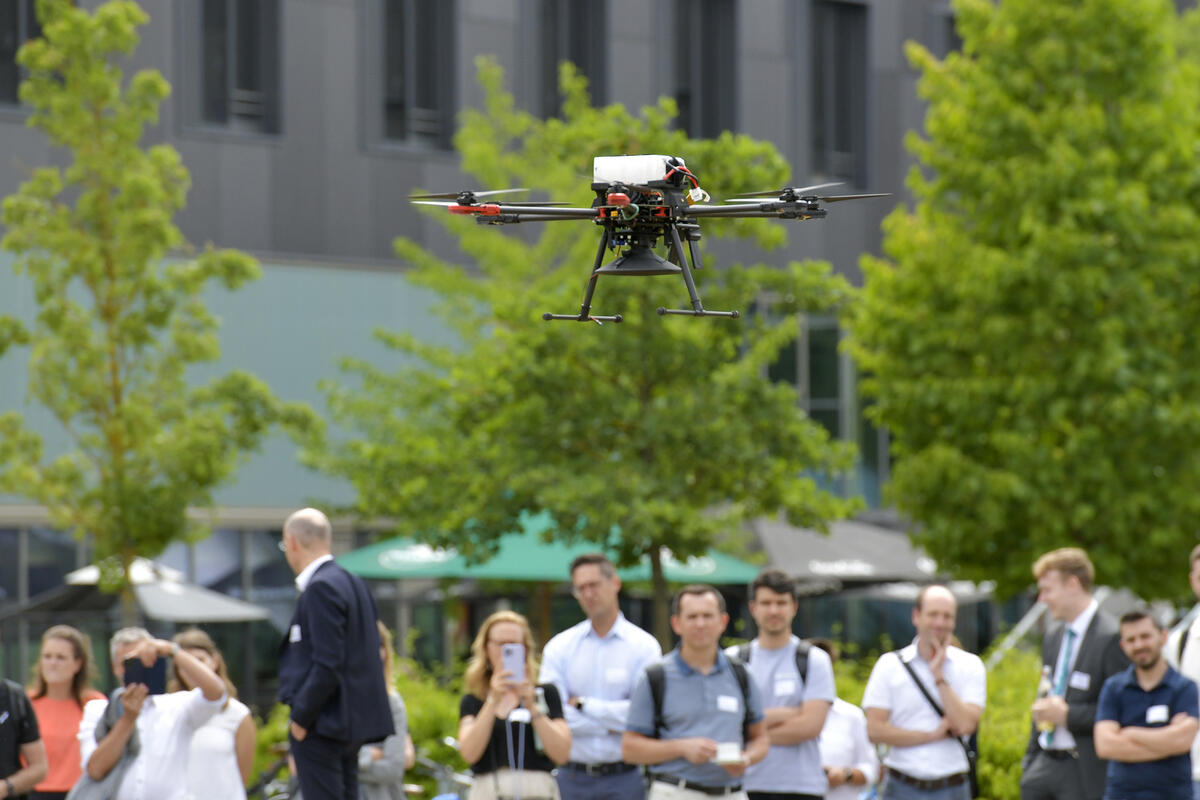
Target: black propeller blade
[
  {"x": 797, "y": 191},
  {"x": 466, "y": 197}
]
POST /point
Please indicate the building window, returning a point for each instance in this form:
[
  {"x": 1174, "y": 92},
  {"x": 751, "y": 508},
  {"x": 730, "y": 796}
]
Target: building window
[
  {"x": 812, "y": 364},
  {"x": 705, "y": 72},
  {"x": 18, "y": 24},
  {"x": 418, "y": 62},
  {"x": 575, "y": 32},
  {"x": 839, "y": 94},
  {"x": 239, "y": 75},
  {"x": 945, "y": 34}
]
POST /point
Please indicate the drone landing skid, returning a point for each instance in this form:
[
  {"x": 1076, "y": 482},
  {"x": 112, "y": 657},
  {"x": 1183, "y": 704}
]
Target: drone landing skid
[{"x": 676, "y": 249}]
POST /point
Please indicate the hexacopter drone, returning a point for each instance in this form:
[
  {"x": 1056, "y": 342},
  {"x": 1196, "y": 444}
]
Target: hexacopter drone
[{"x": 641, "y": 200}]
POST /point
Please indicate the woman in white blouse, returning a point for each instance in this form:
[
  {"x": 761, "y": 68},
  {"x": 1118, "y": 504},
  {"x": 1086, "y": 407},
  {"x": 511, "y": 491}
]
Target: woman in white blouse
[
  {"x": 222, "y": 753},
  {"x": 848, "y": 757}
]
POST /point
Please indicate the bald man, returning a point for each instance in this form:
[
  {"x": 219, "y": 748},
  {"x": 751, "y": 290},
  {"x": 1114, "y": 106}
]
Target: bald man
[
  {"x": 921, "y": 700},
  {"x": 330, "y": 672}
]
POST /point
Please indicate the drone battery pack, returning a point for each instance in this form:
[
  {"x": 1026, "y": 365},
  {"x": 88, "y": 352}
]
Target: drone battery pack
[{"x": 630, "y": 169}]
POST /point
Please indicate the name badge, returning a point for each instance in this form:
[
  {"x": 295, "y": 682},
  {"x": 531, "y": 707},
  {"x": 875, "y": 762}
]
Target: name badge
[
  {"x": 727, "y": 702},
  {"x": 616, "y": 675},
  {"x": 294, "y": 634},
  {"x": 1080, "y": 680},
  {"x": 1156, "y": 714},
  {"x": 784, "y": 688}
]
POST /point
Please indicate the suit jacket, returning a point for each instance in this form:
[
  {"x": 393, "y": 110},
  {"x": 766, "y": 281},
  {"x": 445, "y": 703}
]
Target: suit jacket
[
  {"x": 1099, "y": 656},
  {"x": 329, "y": 667}
]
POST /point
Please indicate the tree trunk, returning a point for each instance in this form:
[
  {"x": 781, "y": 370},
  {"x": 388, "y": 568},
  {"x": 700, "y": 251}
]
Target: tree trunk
[
  {"x": 544, "y": 622},
  {"x": 129, "y": 609},
  {"x": 662, "y": 599}
]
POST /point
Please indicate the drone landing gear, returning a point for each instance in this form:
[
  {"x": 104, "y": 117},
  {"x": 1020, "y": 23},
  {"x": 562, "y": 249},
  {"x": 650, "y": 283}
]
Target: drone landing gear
[
  {"x": 584, "y": 314},
  {"x": 697, "y": 309},
  {"x": 676, "y": 248}
]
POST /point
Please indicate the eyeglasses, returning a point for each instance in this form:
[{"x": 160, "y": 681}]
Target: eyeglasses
[
  {"x": 590, "y": 586},
  {"x": 282, "y": 545}
]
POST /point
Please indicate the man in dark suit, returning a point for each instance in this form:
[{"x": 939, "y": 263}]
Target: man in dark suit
[
  {"x": 1061, "y": 762},
  {"x": 329, "y": 667}
]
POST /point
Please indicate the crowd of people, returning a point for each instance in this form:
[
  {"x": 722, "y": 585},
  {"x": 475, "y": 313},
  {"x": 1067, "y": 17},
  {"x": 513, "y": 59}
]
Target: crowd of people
[{"x": 607, "y": 715}]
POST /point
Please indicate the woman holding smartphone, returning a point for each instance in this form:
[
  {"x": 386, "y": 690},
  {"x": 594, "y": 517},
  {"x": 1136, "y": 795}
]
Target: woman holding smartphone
[{"x": 510, "y": 731}]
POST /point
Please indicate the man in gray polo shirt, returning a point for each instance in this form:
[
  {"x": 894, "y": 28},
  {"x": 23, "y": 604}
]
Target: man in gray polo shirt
[
  {"x": 796, "y": 705},
  {"x": 710, "y": 727}
]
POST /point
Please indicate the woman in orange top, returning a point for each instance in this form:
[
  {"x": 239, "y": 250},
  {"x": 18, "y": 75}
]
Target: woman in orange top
[{"x": 60, "y": 689}]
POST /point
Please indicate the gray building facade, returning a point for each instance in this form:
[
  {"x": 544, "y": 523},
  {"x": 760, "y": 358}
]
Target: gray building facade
[{"x": 307, "y": 123}]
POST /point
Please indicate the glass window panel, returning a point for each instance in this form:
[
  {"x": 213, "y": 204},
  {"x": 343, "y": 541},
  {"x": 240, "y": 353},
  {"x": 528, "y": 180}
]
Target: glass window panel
[
  {"x": 823, "y": 363},
  {"x": 828, "y": 418},
  {"x": 215, "y": 73},
  {"x": 249, "y": 45},
  {"x": 51, "y": 557},
  {"x": 786, "y": 369},
  {"x": 219, "y": 562},
  {"x": 8, "y": 563},
  {"x": 394, "y": 122},
  {"x": 839, "y": 54}
]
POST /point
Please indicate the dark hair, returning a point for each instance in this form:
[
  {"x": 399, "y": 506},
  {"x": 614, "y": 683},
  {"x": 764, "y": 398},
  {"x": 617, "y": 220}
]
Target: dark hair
[
  {"x": 1139, "y": 614},
  {"x": 828, "y": 645},
  {"x": 699, "y": 589},
  {"x": 776, "y": 580},
  {"x": 925, "y": 589},
  {"x": 81, "y": 681},
  {"x": 599, "y": 559}
]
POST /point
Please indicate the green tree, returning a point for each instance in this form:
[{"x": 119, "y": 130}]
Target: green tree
[
  {"x": 117, "y": 326},
  {"x": 1031, "y": 333},
  {"x": 652, "y": 433}
]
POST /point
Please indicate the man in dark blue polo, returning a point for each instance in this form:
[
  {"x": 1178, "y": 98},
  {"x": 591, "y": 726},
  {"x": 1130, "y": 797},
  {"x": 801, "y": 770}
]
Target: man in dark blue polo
[
  {"x": 703, "y": 724},
  {"x": 1146, "y": 719}
]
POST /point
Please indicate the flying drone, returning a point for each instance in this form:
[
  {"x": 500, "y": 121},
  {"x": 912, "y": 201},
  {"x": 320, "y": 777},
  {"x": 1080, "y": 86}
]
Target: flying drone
[{"x": 641, "y": 200}]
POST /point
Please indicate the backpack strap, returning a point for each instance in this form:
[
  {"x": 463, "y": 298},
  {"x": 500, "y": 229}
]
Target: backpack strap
[
  {"x": 743, "y": 678},
  {"x": 657, "y": 680},
  {"x": 743, "y": 652},
  {"x": 802, "y": 649}
]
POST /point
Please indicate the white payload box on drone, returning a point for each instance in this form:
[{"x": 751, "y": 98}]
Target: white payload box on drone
[{"x": 632, "y": 169}]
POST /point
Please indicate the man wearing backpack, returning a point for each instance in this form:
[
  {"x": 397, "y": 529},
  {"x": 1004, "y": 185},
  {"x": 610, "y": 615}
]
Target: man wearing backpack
[
  {"x": 796, "y": 682},
  {"x": 695, "y": 718},
  {"x": 921, "y": 700},
  {"x": 19, "y": 738}
]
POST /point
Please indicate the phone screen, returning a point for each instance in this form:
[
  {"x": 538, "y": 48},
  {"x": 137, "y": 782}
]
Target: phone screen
[
  {"x": 513, "y": 659},
  {"x": 154, "y": 676}
]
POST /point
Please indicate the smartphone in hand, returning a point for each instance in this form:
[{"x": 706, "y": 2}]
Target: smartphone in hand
[
  {"x": 513, "y": 660},
  {"x": 153, "y": 676}
]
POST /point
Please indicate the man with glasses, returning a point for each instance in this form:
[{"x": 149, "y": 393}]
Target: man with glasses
[{"x": 595, "y": 665}]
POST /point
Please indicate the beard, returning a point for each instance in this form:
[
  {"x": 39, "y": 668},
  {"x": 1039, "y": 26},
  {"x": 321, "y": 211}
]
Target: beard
[{"x": 1147, "y": 661}]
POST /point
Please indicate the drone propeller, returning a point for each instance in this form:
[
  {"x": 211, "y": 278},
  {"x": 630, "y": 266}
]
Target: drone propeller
[
  {"x": 522, "y": 204},
  {"x": 466, "y": 197},
  {"x": 798, "y": 191},
  {"x": 829, "y": 198}
]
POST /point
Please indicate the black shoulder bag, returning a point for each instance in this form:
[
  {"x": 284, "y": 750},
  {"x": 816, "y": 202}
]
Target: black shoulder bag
[{"x": 969, "y": 750}]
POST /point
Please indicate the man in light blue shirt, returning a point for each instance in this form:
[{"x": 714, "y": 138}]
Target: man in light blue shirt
[
  {"x": 796, "y": 705},
  {"x": 595, "y": 665},
  {"x": 696, "y": 718}
]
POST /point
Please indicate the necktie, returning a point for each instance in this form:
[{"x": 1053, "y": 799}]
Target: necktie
[{"x": 1064, "y": 669}]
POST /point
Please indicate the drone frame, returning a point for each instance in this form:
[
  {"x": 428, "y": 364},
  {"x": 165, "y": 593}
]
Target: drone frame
[{"x": 674, "y": 220}]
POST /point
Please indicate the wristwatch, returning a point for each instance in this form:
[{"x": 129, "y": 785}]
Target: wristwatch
[
  {"x": 579, "y": 703},
  {"x": 9, "y": 785},
  {"x": 849, "y": 774}
]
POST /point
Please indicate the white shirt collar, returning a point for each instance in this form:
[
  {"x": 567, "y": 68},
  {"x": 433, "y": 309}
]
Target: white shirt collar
[
  {"x": 615, "y": 630},
  {"x": 1080, "y": 624},
  {"x": 306, "y": 574}
]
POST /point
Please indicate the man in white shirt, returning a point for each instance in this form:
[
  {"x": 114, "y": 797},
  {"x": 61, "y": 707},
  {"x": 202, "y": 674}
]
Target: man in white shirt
[
  {"x": 595, "y": 665},
  {"x": 795, "y": 704},
  {"x": 164, "y": 723},
  {"x": 927, "y": 757},
  {"x": 1183, "y": 653},
  {"x": 1060, "y": 762}
]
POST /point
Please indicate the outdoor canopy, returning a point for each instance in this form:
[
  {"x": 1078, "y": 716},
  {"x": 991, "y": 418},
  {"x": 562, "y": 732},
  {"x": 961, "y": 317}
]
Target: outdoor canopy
[
  {"x": 524, "y": 556},
  {"x": 161, "y": 593}
]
